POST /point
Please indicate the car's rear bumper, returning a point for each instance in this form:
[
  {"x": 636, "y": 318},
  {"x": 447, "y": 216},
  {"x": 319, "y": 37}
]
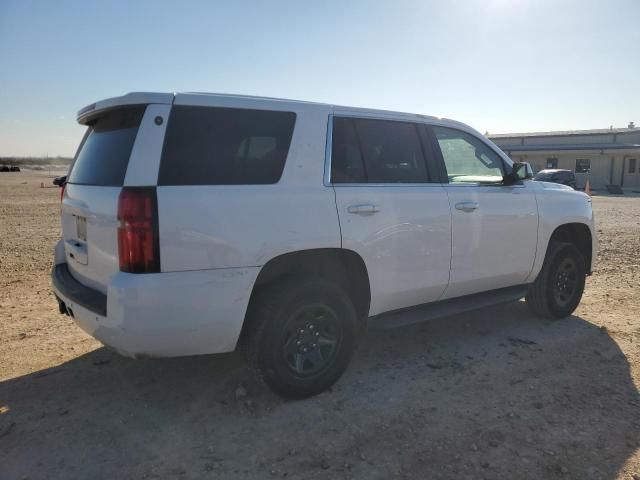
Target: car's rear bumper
[
  {"x": 90, "y": 299},
  {"x": 161, "y": 315}
]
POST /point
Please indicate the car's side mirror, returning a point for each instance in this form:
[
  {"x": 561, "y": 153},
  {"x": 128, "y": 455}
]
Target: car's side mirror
[
  {"x": 60, "y": 181},
  {"x": 519, "y": 171}
]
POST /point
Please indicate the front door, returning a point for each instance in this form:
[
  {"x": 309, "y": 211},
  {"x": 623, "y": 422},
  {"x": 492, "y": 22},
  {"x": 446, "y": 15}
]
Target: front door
[
  {"x": 390, "y": 213},
  {"x": 494, "y": 227}
]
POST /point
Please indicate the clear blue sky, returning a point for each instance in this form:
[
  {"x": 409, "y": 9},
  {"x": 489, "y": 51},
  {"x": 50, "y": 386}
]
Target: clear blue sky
[{"x": 498, "y": 65}]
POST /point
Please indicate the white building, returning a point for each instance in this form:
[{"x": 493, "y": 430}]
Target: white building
[{"x": 609, "y": 157}]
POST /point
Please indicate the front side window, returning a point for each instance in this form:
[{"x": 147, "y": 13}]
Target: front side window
[
  {"x": 225, "y": 146},
  {"x": 376, "y": 151},
  {"x": 583, "y": 165},
  {"x": 468, "y": 159}
]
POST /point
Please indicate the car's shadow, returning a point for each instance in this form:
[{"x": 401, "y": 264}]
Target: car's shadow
[{"x": 491, "y": 394}]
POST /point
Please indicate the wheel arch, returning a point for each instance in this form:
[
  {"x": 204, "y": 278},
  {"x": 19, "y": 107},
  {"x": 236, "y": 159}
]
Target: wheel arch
[
  {"x": 343, "y": 266},
  {"x": 579, "y": 234}
]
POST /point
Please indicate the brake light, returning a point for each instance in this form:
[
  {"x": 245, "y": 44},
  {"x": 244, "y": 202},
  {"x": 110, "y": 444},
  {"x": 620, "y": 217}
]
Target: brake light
[
  {"x": 62, "y": 189},
  {"x": 138, "y": 245}
]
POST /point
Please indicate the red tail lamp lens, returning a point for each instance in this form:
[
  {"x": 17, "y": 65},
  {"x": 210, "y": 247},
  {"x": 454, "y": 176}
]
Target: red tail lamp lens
[{"x": 138, "y": 245}]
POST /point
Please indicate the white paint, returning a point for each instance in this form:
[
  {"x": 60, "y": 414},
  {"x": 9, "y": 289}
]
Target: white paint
[
  {"x": 494, "y": 245},
  {"x": 171, "y": 314},
  {"x": 144, "y": 161},
  {"x": 406, "y": 246}
]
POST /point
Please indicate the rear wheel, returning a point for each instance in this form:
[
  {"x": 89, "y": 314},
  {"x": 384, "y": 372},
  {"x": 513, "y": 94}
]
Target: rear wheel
[
  {"x": 302, "y": 336},
  {"x": 558, "y": 289}
]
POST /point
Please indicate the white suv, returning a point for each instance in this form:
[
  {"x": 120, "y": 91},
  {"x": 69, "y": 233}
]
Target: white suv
[{"x": 194, "y": 221}]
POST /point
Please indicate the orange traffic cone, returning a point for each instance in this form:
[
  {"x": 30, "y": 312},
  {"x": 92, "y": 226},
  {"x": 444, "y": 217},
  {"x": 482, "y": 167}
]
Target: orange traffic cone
[{"x": 587, "y": 188}]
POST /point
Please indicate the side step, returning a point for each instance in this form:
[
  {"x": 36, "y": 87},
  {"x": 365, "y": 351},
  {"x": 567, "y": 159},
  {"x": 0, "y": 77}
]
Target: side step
[{"x": 444, "y": 308}]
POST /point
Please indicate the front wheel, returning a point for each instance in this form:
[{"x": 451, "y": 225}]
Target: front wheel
[
  {"x": 303, "y": 334},
  {"x": 558, "y": 289}
]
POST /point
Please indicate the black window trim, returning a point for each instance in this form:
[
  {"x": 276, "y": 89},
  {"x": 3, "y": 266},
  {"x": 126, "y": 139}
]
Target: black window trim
[
  {"x": 431, "y": 165},
  {"x": 443, "y": 168}
]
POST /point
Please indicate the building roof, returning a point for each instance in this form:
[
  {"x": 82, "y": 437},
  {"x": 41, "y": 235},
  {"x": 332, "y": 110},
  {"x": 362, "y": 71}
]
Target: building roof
[
  {"x": 562, "y": 133},
  {"x": 569, "y": 146}
]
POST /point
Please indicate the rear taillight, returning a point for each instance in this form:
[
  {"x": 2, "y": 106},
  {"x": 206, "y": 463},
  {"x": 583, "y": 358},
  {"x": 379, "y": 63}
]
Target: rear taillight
[
  {"x": 62, "y": 189},
  {"x": 138, "y": 245}
]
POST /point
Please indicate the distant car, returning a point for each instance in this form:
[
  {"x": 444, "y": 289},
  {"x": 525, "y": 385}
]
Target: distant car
[
  {"x": 5, "y": 168},
  {"x": 14, "y": 169},
  {"x": 564, "y": 177}
]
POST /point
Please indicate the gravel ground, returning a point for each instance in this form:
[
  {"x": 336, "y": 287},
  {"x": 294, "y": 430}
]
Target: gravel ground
[{"x": 495, "y": 394}]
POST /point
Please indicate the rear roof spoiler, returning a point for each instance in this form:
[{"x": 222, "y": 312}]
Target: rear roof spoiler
[{"x": 133, "y": 98}]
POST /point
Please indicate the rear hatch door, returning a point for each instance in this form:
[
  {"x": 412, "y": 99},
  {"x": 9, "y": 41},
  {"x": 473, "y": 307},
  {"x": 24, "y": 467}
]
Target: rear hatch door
[{"x": 90, "y": 202}]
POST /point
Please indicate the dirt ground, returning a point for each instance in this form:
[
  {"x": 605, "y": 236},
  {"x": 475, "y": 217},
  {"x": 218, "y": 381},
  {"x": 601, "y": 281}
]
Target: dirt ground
[{"x": 495, "y": 394}]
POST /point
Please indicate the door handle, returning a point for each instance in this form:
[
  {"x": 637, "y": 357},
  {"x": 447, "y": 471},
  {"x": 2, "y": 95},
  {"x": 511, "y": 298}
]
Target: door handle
[
  {"x": 366, "y": 209},
  {"x": 467, "y": 206}
]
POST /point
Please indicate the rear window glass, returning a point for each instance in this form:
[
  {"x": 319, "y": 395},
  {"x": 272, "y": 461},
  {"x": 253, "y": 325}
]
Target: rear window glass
[
  {"x": 104, "y": 153},
  {"x": 225, "y": 146},
  {"x": 545, "y": 176}
]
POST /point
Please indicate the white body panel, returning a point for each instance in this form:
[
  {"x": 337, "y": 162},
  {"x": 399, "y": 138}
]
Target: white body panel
[
  {"x": 100, "y": 252},
  {"x": 144, "y": 161},
  {"x": 214, "y": 240},
  {"x": 170, "y": 314},
  {"x": 241, "y": 226},
  {"x": 406, "y": 245},
  {"x": 133, "y": 98},
  {"x": 559, "y": 205},
  {"x": 494, "y": 244}
]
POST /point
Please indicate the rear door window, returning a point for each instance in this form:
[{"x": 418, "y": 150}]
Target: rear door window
[
  {"x": 225, "y": 146},
  {"x": 376, "y": 151},
  {"x": 103, "y": 156}
]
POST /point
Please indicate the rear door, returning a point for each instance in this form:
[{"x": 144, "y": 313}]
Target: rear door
[
  {"x": 494, "y": 227},
  {"x": 121, "y": 147},
  {"x": 390, "y": 211}
]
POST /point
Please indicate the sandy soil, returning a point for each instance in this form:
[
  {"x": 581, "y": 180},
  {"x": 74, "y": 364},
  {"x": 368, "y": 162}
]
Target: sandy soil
[{"x": 496, "y": 394}]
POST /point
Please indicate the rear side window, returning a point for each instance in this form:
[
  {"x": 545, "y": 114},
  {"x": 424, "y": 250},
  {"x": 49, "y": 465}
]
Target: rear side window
[
  {"x": 103, "y": 156},
  {"x": 225, "y": 146},
  {"x": 376, "y": 151}
]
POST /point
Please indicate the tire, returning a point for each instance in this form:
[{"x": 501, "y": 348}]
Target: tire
[
  {"x": 302, "y": 334},
  {"x": 558, "y": 289}
]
